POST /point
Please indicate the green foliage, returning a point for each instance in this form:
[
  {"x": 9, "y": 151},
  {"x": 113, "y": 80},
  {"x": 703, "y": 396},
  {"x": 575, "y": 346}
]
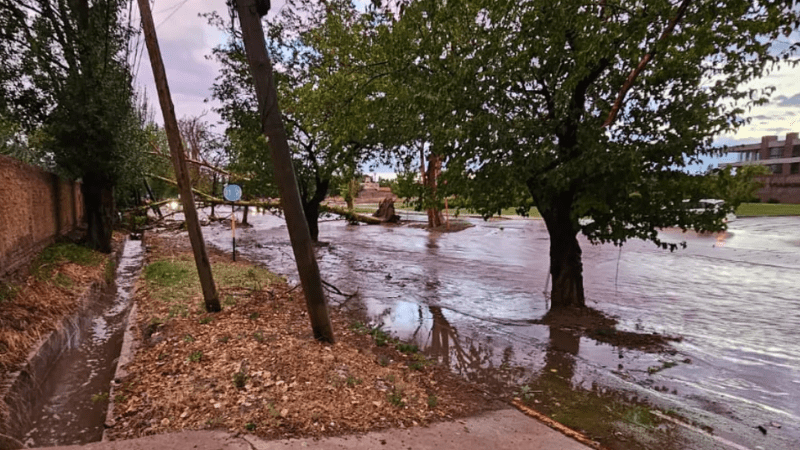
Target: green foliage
[
  {"x": 44, "y": 263},
  {"x": 240, "y": 379},
  {"x": 767, "y": 209},
  {"x": 100, "y": 397},
  {"x": 432, "y": 401},
  {"x": 314, "y": 47},
  {"x": 196, "y": 356}
]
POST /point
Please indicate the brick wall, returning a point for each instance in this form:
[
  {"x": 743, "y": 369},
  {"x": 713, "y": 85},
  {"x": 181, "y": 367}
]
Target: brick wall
[
  {"x": 35, "y": 207},
  {"x": 784, "y": 188}
]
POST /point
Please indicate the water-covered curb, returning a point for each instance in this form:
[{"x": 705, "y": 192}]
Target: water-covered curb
[
  {"x": 126, "y": 355},
  {"x": 21, "y": 388}
]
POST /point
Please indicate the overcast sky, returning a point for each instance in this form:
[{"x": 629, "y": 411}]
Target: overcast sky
[{"x": 186, "y": 40}]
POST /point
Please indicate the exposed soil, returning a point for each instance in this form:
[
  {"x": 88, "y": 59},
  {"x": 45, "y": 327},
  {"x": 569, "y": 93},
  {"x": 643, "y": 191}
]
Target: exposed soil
[{"x": 254, "y": 367}]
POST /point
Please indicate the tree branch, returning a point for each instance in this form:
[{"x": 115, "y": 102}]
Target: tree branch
[{"x": 612, "y": 115}]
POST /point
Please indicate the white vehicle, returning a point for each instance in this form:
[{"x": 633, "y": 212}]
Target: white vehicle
[{"x": 709, "y": 203}]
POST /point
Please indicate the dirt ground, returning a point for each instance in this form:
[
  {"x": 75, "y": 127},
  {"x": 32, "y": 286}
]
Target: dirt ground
[{"x": 255, "y": 368}]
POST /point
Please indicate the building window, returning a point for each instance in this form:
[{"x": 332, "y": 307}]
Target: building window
[
  {"x": 794, "y": 168},
  {"x": 775, "y": 152},
  {"x": 795, "y": 151},
  {"x": 777, "y": 169}
]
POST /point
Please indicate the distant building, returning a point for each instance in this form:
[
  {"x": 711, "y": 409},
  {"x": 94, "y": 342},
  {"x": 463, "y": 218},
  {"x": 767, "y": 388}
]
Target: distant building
[{"x": 783, "y": 160}]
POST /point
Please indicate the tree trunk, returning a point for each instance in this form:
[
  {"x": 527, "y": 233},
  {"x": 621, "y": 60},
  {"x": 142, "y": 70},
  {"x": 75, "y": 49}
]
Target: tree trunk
[
  {"x": 566, "y": 267},
  {"x": 311, "y": 208},
  {"x": 431, "y": 177},
  {"x": 176, "y": 151},
  {"x": 244, "y": 215},
  {"x": 98, "y": 204},
  {"x": 272, "y": 126}
]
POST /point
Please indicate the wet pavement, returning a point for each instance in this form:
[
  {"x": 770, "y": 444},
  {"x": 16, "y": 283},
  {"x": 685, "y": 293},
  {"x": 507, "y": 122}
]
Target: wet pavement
[
  {"x": 71, "y": 407},
  {"x": 468, "y": 298}
]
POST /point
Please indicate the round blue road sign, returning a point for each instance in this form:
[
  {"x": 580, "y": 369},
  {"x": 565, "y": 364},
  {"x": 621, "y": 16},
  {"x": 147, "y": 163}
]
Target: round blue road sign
[{"x": 232, "y": 192}]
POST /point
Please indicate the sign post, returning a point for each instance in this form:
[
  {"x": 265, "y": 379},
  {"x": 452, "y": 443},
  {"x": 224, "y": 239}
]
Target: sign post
[{"x": 232, "y": 193}]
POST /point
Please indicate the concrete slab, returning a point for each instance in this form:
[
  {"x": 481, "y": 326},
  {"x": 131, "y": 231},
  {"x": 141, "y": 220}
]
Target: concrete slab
[{"x": 504, "y": 429}]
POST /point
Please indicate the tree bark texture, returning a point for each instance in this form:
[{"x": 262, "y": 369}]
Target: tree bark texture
[
  {"x": 431, "y": 178},
  {"x": 274, "y": 130},
  {"x": 98, "y": 204},
  {"x": 311, "y": 207},
  {"x": 177, "y": 154},
  {"x": 566, "y": 267}
]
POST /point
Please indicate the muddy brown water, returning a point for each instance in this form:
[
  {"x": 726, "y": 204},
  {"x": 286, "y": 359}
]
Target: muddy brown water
[
  {"x": 468, "y": 297},
  {"x": 71, "y": 408}
]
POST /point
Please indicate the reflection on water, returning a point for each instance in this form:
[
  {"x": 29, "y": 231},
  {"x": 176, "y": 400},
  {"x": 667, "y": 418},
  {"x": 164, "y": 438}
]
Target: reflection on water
[{"x": 468, "y": 297}]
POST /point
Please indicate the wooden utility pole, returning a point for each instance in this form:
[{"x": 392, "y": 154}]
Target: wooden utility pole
[
  {"x": 272, "y": 126},
  {"x": 177, "y": 155}
]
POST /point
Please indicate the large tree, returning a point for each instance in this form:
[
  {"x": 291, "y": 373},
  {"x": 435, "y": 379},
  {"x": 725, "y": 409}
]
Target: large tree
[
  {"x": 64, "y": 71},
  {"x": 596, "y": 108},
  {"x": 314, "y": 46}
]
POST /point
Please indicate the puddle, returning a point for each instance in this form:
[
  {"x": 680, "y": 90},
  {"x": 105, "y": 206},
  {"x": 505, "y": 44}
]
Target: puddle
[{"x": 71, "y": 407}]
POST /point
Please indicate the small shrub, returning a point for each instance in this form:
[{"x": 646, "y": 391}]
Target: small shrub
[
  {"x": 250, "y": 426},
  {"x": 407, "y": 348},
  {"x": 196, "y": 356},
  {"x": 396, "y": 397},
  {"x": 418, "y": 362},
  {"x": 240, "y": 379},
  {"x": 258, "y": 336},
  {"x": 524, "y": 393},
  {"x": 7, "y": 292},
  {"x": 353, "y": 381},
  {"x": 432, "y": 401},
  {"x": 120, "y": 398}
]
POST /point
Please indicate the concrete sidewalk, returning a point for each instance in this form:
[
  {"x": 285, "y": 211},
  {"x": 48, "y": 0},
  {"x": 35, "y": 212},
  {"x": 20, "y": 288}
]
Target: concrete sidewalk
[{"x": 504, "y": 429}]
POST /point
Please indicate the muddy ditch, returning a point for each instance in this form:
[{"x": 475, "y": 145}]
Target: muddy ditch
[{"x": 60, "y": 394}]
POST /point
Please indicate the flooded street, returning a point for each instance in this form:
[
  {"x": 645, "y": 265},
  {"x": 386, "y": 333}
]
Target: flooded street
[
  {"x": 468, "y": 298},
  {"x": 72, "y": 407}
]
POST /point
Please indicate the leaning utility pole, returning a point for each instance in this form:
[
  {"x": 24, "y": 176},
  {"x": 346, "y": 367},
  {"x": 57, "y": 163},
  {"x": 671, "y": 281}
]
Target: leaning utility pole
[
  {"x": 272, "y": 126},
  {"x": 177, "y": 155}
]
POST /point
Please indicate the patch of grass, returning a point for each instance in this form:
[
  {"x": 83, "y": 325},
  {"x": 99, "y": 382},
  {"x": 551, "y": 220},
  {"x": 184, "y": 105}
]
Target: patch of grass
[
  {"x": 120, "y": 398},
  {"x": 395, "y": 397},
  {"x": 196, "y": 356},
  {"x": 418, "y": 362},
  {"x": 383, "y": 360},
  {"x": 229, "y": 301},
  {"x": 259, "y": 336},
  {"x": 99, "y": 397},
  {"x": 406, "y": 348},
  {"x": 8, "y": 292},
  {"x": 110, "y": 270},
  {"x": 168, "y": 274},
  {"x": 767, "y": 209},
  {"x": 359, "y": 328},
  {"x": 63, "y": 280},
  {"x": 188, "y": 339},
  {"x": 381, "y": 337},
  {"x": 353, "y": 381},
  {"x": 43, "y": 265},
  {"x": 432, "y": 401},
  {"x": 250, "y": 426},
  {"x": 206, "y": 320}
]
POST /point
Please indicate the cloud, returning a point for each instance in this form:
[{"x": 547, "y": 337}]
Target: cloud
[{"x": 784, "y": 101}]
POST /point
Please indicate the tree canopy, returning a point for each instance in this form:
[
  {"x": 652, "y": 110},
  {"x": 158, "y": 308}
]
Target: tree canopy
[
  {"x": 65, "y": 73},
  {"x": 595, "y": 108}
]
